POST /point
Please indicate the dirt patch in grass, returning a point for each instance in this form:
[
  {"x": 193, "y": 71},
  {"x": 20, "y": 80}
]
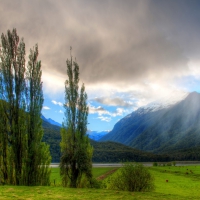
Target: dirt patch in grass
[{"x": 102, "y": 177}]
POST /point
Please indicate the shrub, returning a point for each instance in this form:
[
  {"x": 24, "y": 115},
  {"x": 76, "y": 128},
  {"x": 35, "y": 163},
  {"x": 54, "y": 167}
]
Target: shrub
[
  {"x": 155, "y": 164},
  {"x": 94, "y": 184},
  {"x": 132, "y": 177},
  {"x": 89, "y": 183}
]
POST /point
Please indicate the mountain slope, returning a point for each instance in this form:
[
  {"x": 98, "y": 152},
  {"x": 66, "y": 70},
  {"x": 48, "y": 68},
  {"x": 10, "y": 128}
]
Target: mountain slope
[
  {"x": 51, "y": 121},
  {"x": 52, "y": 137},
  {"x": 177, "y": 128},
  {"x": 128, "y": 128},
  {"x": 160, "y": 130}
]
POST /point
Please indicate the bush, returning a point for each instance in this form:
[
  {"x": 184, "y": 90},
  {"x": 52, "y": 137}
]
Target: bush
[
  {"x": 155, "y": 164},
  {"x": 94, "y": 184},
  {"x": 89, "y": 183},
  {"x": 132, "y": 177}
]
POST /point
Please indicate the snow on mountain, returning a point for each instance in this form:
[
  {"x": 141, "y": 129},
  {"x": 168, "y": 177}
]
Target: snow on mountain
[{"x": 162, "y": 103}]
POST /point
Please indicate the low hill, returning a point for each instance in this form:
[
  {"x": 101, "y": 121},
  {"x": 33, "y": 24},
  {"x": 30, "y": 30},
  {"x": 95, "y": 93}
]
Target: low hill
[
  {"x": 116, "y": 152},
  {"x": 103, "y": 151},
  {"x": 52, "y": 137}
]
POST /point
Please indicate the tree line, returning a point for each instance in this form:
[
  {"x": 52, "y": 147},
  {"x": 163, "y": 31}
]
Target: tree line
[{"x": 24, "y": 157}]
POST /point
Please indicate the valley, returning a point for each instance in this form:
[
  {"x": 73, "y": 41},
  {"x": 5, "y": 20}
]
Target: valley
[{"x": 146, "y": 135}]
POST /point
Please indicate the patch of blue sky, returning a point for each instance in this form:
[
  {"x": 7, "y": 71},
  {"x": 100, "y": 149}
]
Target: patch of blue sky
[
  {"x": 103, "y": 117},
  {"x": 188, "y": 83},
  {"x": 54, "y": 110}
]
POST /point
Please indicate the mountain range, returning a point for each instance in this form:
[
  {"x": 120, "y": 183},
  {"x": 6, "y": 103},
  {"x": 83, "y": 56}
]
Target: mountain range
[
  {"x": 156, "y": 132},
  {"x": 102, "y": 151},
  {"x": 160, "y": 129},
  {"x": 94, "y": 135}
]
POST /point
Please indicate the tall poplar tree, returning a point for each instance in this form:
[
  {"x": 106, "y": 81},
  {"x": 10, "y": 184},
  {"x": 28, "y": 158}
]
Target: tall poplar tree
[
  {"x": 24, "y": 159},
  {"x": 76, "y": 158},
  {"x": 12, "y": 96},
  {"x": 38, "y": 155}
]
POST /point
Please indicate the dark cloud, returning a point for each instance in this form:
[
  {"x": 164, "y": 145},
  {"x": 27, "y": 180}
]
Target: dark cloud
[
  {"x": 113, "y": 102},
  {"x": 98, "y": 109},
  {"x": 115, "y": 42}
]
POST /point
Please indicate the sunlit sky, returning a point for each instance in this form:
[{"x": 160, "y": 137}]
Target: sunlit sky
[{"x": 130, "y": 52}]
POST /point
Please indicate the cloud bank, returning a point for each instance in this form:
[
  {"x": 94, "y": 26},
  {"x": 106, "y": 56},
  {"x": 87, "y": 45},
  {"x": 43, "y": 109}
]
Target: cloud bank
[{"x": 135, "y": 47}]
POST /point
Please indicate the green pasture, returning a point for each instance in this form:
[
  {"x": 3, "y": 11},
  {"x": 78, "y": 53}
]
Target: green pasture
[
  {"x": 96, "y": 171},
  {"x": 170, "y": 183},
  {"x": 183, "y": 181}
]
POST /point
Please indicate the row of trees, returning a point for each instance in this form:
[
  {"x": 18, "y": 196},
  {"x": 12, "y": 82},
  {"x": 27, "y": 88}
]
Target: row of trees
[{"x": 24, "y": 158}]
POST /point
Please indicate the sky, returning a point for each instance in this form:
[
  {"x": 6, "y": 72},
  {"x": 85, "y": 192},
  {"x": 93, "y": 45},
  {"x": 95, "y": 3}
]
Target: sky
[{"x": 130, "y": 52}]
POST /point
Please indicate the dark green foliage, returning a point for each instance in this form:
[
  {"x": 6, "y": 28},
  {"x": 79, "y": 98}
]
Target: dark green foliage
[
  {"x": 24, "y": 159},
  {"x": 116, "y": 152},
  {"x": 53, "y": 138},
  {"x": 38, "y": 155},
  {"x": 132, "y": 177},
  {"x": 13, "y": 107},
  {"x": 155, "y": 164},
  {"x": 76, "y": 157}
]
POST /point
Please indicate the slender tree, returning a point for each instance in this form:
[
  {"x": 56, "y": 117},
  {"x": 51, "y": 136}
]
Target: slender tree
[
  {"x": 3, "y": 149},
  {"x": 13, "y": 93},
  {"x": 24, "y": 159},
  {"x": 38, "y": 155},
  {"x": 75, "y": 146}
]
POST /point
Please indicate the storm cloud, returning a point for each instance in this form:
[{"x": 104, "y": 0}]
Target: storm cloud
[
  {"x": 122, "y": 44},
  {"x": 113, "y": 102}
]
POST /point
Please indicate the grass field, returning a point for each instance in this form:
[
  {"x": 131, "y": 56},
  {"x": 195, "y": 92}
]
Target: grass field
[
  {"x": 55, "y": 174},
  {"x": 170, "y": 183}
]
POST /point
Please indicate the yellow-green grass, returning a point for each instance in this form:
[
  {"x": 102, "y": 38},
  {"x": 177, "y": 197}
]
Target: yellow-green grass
[
  {"x": 182, "y": 181},
  {"x": 32, "y": 193},
  {"x": 96, "y": 171},
  {"x": 182, "y": 184}
]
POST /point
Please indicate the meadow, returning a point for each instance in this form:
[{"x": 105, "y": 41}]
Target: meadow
[{"x": 171, "y": 182}]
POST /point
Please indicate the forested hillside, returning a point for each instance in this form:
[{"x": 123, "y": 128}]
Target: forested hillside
[
  {"x": 116, "y": 152},
  {"x": 102, "y": 151},
  {"x": 52, "y": 137}
]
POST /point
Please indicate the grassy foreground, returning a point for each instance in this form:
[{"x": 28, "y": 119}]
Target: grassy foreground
[{"x": 171, "y": 183}]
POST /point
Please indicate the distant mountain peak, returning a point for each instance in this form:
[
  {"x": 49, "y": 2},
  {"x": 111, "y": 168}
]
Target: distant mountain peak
[
  {"x": 193, "y": 95},
  {"x": 51, "y": 121}
]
